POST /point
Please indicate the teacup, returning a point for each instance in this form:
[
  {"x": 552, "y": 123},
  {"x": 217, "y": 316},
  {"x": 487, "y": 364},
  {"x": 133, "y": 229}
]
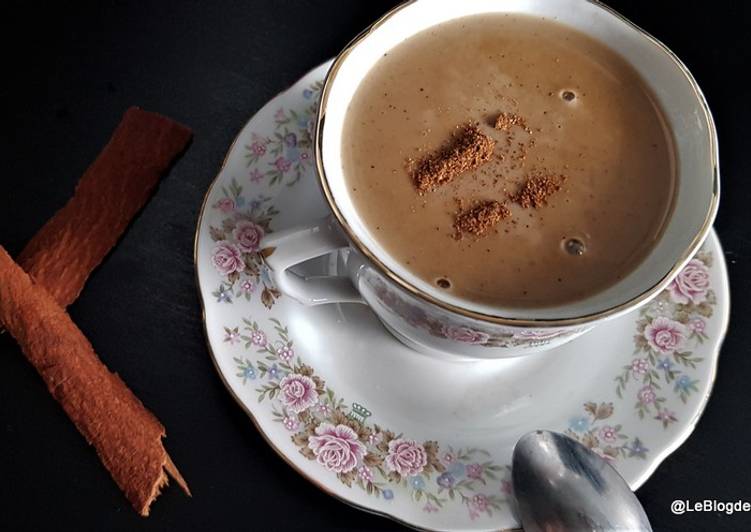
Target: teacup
[{"x": 433, "y": 321}]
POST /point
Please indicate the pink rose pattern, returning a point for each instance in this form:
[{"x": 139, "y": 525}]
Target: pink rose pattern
[
  {"x": 665, "y": 335},
  {"x": 298, "y": 392},
  {"x": 320, "y": 424},
  {"x": 227, "y": 258},
  {"x": 248, "y": 235},
  {"x": 417, "y": 317},
  {"x": 337, "y": 448},
  {"x": 237, "y": 242},
  {"x": 465, "y": 335},
  {"x": 667, "y": 329},
  {"x": 225, "y": 205},
  {"x": 284, "y": 156},
  {"x": 324, "y": 429},
  {"x": 349, "y": 448},
  {"x": 692, "y": 283},
  {"x": 342, "y": 449},
  {"x": 406, "y": 457}
]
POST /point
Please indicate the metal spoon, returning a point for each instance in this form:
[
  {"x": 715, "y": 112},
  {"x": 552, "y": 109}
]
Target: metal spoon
[{"x": 562, "y": 486}]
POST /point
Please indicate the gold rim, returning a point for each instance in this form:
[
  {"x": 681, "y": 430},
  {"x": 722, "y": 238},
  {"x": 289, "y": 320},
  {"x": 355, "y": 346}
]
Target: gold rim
[{"x": 547, "y": 322}]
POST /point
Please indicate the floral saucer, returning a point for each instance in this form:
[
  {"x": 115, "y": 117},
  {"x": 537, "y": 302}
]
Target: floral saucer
[{"x": 427, "y": 441}]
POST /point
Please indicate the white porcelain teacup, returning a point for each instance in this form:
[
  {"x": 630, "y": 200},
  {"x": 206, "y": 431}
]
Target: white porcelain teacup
[{"x": 431, "y": 320}]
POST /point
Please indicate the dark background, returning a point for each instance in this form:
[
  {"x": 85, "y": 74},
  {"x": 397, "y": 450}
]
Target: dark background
[{"x": 70, "y": 73}]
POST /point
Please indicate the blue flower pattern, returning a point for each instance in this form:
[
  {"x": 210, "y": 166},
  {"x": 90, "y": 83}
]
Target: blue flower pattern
[
  {"x": 223, "y": 294},
  {"x": 456, "y": 470},
  {"x": 417, "y": 482},
  {"x": 636, "y": 448},
  {"x": 579, "y": 424},
  {"x": 683, "y": 383},
  {"x": 446, "y": 480},
  {"x": 665, "y": 364}
]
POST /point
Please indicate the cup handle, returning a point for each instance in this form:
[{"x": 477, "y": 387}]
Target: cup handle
[{"x": 287, "y": 248}]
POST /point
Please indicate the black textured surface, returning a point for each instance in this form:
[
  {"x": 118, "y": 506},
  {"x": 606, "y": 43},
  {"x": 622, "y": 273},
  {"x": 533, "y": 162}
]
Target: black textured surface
[{"x": 71, "y": 71}]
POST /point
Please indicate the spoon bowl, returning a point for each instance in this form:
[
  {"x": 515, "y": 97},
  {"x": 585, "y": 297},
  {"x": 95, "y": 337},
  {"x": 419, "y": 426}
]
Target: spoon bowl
[{"x": 560, "y": 485}]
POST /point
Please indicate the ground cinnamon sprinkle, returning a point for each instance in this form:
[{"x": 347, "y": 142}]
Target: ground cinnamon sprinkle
[
  {"x": 537, "y": 189},
  {"x": 506, "y": 121},
  {"x": 470, "y": 149},
  {"x": 479, "y": 219}
]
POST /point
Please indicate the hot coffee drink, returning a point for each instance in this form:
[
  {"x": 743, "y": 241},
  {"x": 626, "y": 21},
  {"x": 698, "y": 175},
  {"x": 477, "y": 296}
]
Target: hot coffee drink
[{"x": 509, "y": 160}]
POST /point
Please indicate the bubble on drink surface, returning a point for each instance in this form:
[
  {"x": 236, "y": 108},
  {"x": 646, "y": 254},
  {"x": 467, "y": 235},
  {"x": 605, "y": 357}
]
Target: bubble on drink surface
[
  {"x": 443, "y": 283},
  {"x": 574, "y": 246},
  {"x": 568, "y": 95}
]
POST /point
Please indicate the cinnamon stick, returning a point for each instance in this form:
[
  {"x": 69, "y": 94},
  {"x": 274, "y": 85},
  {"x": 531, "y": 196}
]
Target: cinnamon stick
[
  {"x": 65, "y": 251},
  {"x": 59, "y": 258},
  {"x": 126, "y": 436}
]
